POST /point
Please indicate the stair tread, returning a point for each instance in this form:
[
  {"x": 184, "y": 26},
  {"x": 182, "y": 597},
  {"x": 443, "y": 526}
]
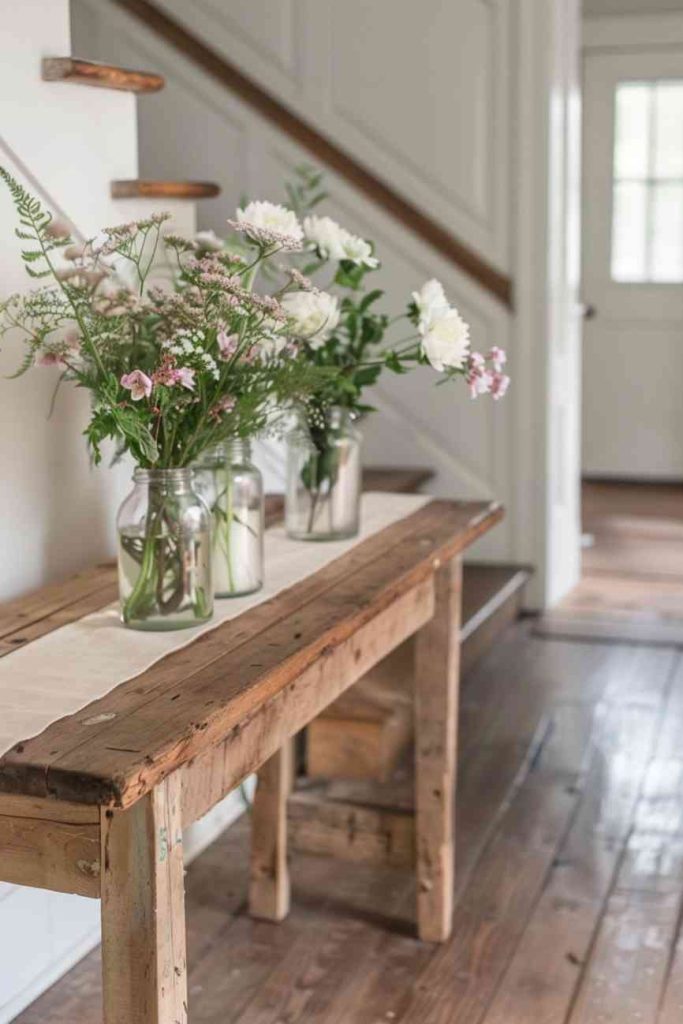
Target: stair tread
[
  {"x": 485, "y": 588},
  {"x": 102, "y": 76},
  {"x": 399, "y": 480},
  {"x": 133, "y": 188}
]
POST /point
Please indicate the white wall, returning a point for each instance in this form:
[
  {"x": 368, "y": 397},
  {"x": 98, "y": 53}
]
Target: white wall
[{"x": 591, "y": 7}]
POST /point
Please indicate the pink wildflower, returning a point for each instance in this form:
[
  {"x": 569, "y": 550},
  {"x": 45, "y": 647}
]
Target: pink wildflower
[
  {"x": 478, "y": 378},
  {"x": 72, "y": 339},
  {"x": 49, "y": 358},
  {"x": 498, "y": 358},
  {"x": 499, "y": 385},
  {"x": 185, "y": 377},
  {"x": 168, "y": 375},
  {"x": 222, "y": 406},
  {"x": 227, "y": 344},
  {"x": 138, "y": 383}
]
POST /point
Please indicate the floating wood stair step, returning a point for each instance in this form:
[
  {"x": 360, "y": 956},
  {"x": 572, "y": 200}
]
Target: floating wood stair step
[
  {"x": 492, "y": 598},
  {"x": 102, "y": 76},
  {"x": 364, "y": 734},
  {"x": 137, "y": 188},
  {"x": 398, "y": 480}
]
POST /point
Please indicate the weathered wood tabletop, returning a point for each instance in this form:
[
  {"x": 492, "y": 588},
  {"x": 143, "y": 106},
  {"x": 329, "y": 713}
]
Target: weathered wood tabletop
[
  {"x": 128, "y": 771},
  {"x": 192, "y": 699}
]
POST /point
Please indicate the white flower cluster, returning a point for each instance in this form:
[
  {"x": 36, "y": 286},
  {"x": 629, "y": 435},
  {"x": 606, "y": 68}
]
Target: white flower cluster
[
  {"x": 270, "y": 224},
  {"x": 336, "y": 243},
  {"x": 191, "y": 348},
  {"x": 181, "y": 344},
  {"x": 313, "y": 315},
  {"x": 273, "y": 224},
  {"x": 445, "y": 335}
]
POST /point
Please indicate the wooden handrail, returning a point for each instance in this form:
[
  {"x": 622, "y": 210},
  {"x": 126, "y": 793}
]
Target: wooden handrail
[{"x": 324, "y": 149}]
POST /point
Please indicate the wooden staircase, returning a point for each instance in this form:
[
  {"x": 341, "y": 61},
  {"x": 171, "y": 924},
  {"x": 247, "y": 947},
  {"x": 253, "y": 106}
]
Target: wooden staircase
[{"x": 74, "y": 71}]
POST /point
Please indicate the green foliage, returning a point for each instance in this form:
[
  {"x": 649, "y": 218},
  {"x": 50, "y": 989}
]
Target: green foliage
[
  {"x": 35, "y": 229},
  {"x": 99, "y": 322},
  {"x": 354, "y": 355},
  {"x": 305, "y": 192}
]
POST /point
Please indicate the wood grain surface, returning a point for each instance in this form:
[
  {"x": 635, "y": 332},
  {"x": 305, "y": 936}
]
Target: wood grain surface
[
  {"x": 192, "y": 699},
  {"x": 103, "y": 76}
]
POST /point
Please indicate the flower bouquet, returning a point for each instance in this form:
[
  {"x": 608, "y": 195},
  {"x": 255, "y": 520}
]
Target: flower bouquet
[
  {"x": 341, "y": 330},
  {"x": 173, "y": 371}
]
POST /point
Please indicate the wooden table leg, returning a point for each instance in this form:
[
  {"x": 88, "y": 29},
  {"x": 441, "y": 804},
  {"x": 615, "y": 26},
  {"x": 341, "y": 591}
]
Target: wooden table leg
[
  {"x": 269, "y": 875},
  {"x": 436, "y": 720},
  {"x": 143, "y": 910}
]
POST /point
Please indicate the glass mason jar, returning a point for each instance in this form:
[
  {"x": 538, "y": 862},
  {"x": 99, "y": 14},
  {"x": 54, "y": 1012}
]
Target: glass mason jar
[
  {"x": 324, "y": 478},
  {"x": 232, "y": 487},
  {"x": 164, "y": 552}
]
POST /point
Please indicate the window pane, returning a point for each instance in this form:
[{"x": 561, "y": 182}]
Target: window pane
[
  {"x": 667, "y": 233},
  {"x": 628, "y": 231},
  {"x": 632, "y": 130},
  {"x": 669, "y": 130}
]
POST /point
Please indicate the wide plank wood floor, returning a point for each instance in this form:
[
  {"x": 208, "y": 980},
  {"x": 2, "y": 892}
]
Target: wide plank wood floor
[
  {"x": 569, "y": 873},
  {"x": 632, "y": 581}
]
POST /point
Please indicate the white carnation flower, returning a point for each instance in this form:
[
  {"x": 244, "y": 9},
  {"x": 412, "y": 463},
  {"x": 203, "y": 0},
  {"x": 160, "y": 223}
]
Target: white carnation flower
[
  {"x": 270, "y": 223},
  {"x": 326, "y": 235},
  {"x": 357, "y": 250},
  {"x": 336, "y": 243},
  {"x": 313, "y": 316},
  {"x": 431, "y": 301},
  {"x": 446, "y": 340}
]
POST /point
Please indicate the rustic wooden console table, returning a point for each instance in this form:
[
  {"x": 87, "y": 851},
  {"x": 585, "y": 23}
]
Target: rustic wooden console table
[{"x": 97, "y": 802}]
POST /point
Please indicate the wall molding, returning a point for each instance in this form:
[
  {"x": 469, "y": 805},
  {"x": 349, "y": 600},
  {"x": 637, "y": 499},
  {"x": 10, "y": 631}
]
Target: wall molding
[
  {"x": 633, "y": 31},
  {"x": 323, "y": 148}
]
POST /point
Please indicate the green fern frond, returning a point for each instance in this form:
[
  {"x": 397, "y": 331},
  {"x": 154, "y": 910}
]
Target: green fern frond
[
  {"x": 36, "y": 221},
  {"x": 24, "y": 366}
]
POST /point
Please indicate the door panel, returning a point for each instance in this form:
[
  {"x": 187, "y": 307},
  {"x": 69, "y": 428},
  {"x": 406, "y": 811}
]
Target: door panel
[{"x": 633, "y": 265}]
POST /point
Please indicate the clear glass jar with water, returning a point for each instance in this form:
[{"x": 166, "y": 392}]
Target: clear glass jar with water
[
  {"x": 164, "y": 556},
  {"x": 324, "y": 477},
  {"x": 232, "y": 487}
]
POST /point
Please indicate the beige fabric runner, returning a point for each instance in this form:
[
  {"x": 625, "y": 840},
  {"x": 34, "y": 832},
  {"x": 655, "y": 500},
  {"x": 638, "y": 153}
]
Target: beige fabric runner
[{"x": 63, "y": 671}]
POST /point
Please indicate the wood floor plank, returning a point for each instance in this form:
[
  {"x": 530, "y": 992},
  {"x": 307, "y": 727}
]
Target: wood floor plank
[
  {"x": 459, "y": 981},
  {"x": 630, "y": 959},
  {"x": 671, "y": 1008},
  {"x": 305, "y": 982},
  {"x": 545, "y": 971}
]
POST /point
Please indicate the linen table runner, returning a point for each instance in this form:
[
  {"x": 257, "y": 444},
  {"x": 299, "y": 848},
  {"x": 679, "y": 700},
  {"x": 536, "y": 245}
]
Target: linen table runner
[{"x": 63, "y": 671}]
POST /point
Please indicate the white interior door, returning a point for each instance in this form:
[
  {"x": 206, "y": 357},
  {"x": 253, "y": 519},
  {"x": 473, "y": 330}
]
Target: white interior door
[{"x": 633, "y": 265}]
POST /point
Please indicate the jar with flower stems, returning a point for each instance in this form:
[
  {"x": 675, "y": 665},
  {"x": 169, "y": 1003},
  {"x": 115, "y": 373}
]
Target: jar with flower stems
[
  {"x": 324, "y": 477},
  {"x": 232, "y": 487},
  {"x": 164, "y": 556}
]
